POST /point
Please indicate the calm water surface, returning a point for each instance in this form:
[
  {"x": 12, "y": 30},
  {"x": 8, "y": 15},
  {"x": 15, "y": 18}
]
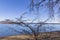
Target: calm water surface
[{"x": 8, "y": 29}]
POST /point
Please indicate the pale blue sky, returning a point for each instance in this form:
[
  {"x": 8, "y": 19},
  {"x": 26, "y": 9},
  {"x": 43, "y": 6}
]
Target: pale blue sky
[{"x": 11, "y": 9}]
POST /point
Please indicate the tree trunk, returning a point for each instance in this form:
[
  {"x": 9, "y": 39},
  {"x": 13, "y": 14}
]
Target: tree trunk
[{"x": 36, "y": 37}]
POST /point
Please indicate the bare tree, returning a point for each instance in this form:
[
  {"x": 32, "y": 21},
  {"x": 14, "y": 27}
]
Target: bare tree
[{"x": 36, "y": 28}]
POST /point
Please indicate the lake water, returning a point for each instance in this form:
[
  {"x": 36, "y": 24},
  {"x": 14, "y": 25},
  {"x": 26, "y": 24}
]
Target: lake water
[{"x": 8, "y": 29}]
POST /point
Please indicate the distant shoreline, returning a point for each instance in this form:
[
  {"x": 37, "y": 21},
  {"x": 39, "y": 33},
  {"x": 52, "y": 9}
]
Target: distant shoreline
[{"x": 5, "y": 22}]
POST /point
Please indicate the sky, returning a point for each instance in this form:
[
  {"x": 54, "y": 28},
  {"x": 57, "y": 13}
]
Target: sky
[{"x": 11, "y": 9}]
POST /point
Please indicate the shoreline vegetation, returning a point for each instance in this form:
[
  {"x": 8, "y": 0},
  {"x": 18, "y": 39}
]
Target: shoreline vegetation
[{"x": 42, "y": 36}]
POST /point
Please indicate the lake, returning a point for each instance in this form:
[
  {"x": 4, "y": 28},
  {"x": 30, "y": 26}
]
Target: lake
[{"x": 12, "y": 29}]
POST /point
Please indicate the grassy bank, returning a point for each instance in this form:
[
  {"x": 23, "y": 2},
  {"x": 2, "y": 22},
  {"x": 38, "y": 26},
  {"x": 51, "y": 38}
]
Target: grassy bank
[{"x": 42, "y": 36}]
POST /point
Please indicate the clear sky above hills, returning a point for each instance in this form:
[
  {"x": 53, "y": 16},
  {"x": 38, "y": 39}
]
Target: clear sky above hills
[{"x": 11, "y": 9}]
